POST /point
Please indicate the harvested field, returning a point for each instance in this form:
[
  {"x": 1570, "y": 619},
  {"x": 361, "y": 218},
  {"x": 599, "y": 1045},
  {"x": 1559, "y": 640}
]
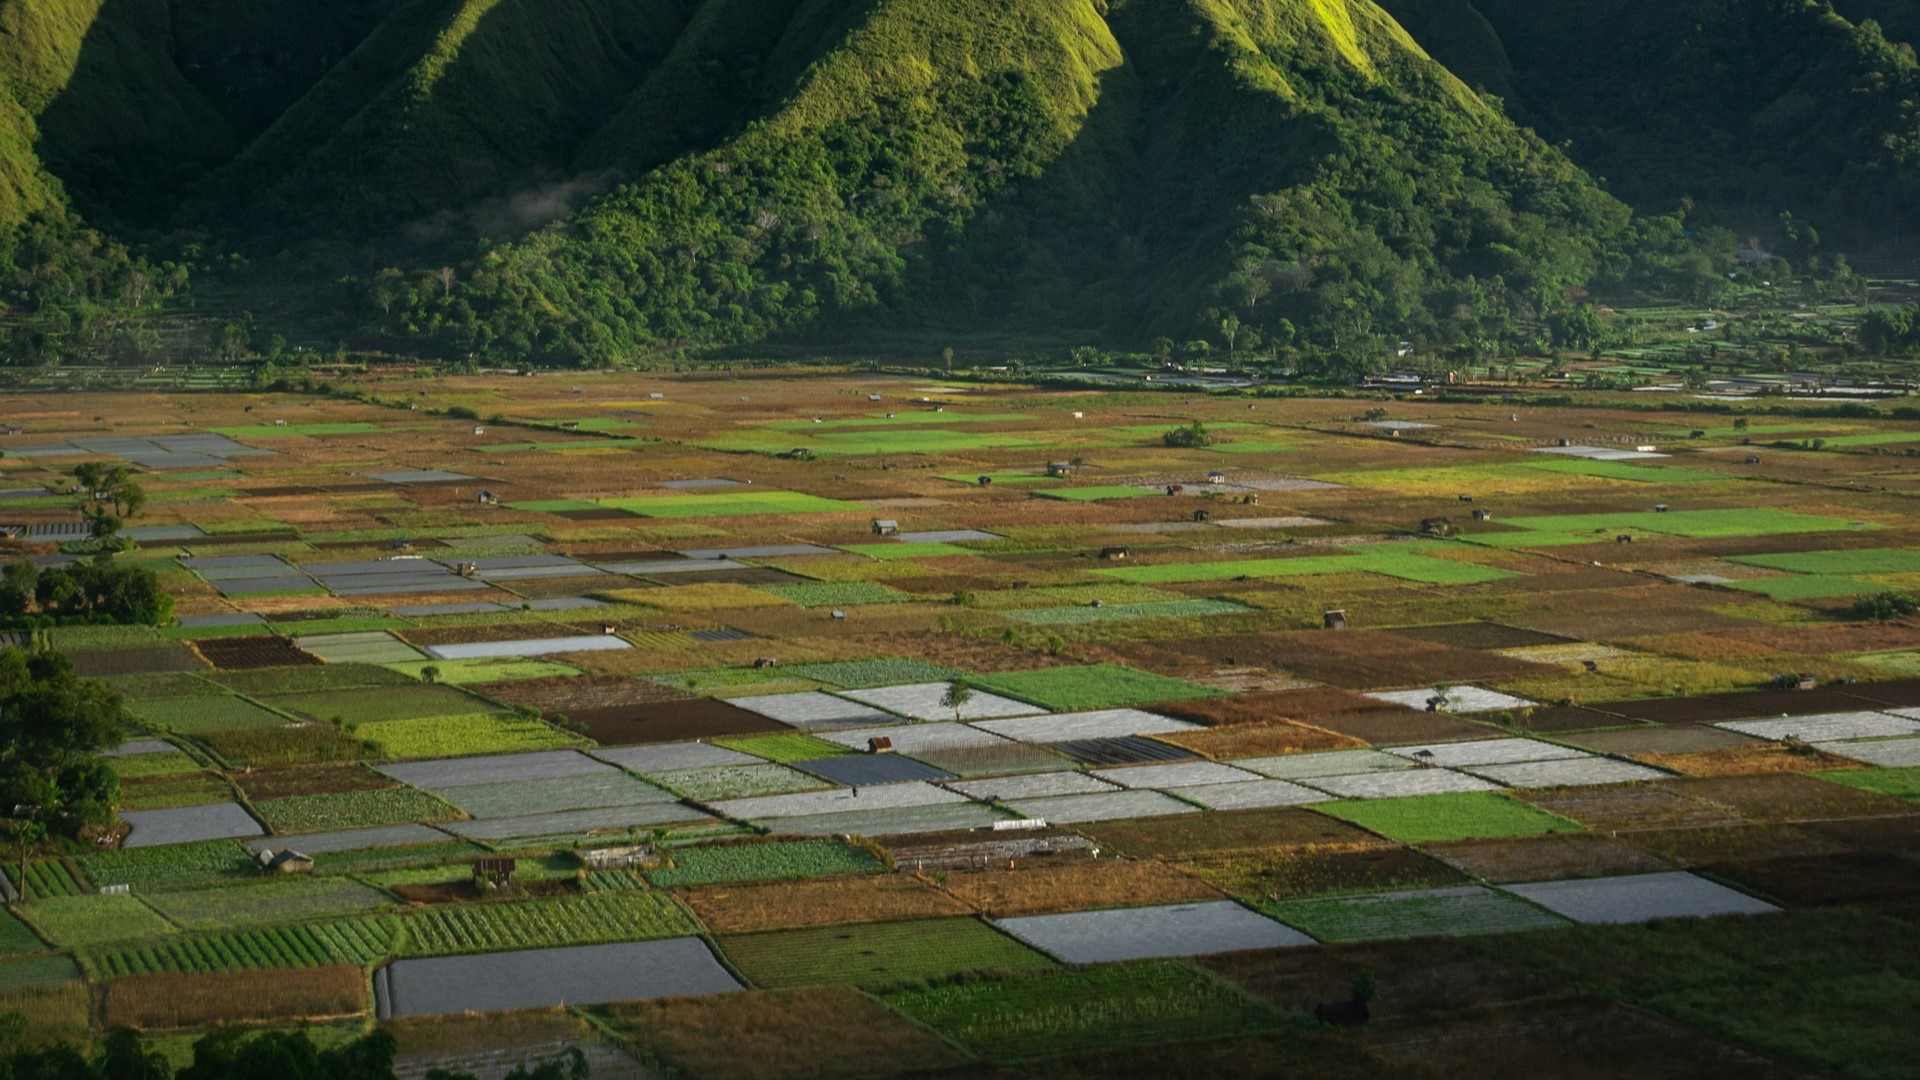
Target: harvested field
[
  {"x": 1701, "y": 847},
  {"x": 1287, "y": 873},
  {"x": 668, "y": 721},
  {"x": 768, "y": 1035},
  {"x": 179, "y": 1000},
  {"x": 791, "y": 905},
  {"x": 1545, "y": 858},
  {"x": 249, "y": 653},
  {"x": 1233, "y": 831},
  {"x": 1075, "y": 886},
  {"x": 1786, "y": 797},
  {"x": 1621, "y": 809}
]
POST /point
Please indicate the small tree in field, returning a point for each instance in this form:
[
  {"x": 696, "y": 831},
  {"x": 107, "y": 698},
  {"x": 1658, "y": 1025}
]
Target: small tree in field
[
  {"x": 430, "y": 674},
  {"x": 956, "y": 698}
]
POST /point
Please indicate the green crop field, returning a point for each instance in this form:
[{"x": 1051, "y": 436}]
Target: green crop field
[
  {"x": 270, "y": 901},
  {"x": 484, "y": 670},
  {"x": 877, "y": 955},
  {"x": 1097, "y": 1008},
  {"x": 315, "y": 679},
  {"x": 573, "y": 920},
  {"x": 351, "y": 810},
  {"x": 1095, "y": 686},
  {"x": 1463, "y": 815},
  {"x": 778, "y": 860},
  {"x": 839, "y": 594},
  {"x": 79, "y": 921},
  {"x": 782, "y": 749},
  {"x": 52, "y": 877},
  {"x": 371, "y": 705},
  {"x": 17, "y": 937},
  {"x": 1099, "y": 492},
  {"x": 731, "y": 504},
  {"x": 908, "y": 550},
  {"x": 1399, "y": 915},
  {"x": 1806, "y": 586},
  {"x": 865, "y": 674},
  {"x": 1171, "y": 609},
  {"x": 451, "y": 736},
  {"x": 204, "y": 713},
  {"x": 1901, "y": 783},
  {"x": 1854, "y": 561},
  {"x": 171, "y": 866},
  {"x": 294, "y": 431},
  {"x": 359, "y": 941},
  {"x": 1391, "y": 561}
]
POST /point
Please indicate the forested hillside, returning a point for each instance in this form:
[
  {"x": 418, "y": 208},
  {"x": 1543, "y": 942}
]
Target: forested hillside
[{"x": 584, "y": 181}]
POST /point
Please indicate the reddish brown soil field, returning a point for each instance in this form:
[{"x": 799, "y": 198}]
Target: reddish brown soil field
[
  {"x": 1619, "y": 807},
  {"x": 259, "y": 784},
  {"x": 1480, "y": 635},
  {"x": 1792, "y": 798},
  {"x": 1390, "y": 726},
  {"x": 248, "y": 653},
  {"x": 668, "y": 722},
  {"x": 1714, "y": 708},
  {"x": 1545, "y": 858},
  {"x": 1734, "y": 843},
  {"x": 1558, "y": 718},
  {"x": 1899, "y": 693},
  {"x": 1371, "y": 659},
  {"x": 1891, "y": 835},
  {"x": 1226, "y": 831},
  {"x": 1287, "y": 873},
  {"x": 1075, "y": 886}
]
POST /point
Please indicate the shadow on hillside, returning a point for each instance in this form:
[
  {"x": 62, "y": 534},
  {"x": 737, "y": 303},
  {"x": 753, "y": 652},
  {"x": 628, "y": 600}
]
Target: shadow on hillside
[{"x": 1124, "y": 228}]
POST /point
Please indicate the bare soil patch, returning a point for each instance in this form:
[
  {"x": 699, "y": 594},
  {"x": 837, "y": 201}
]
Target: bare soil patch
[
  {"x": 1787, "y": 797},
  {"x": 694, "y": 718},
  {"x": 1480, "y": 635},
  {"x": 786, "y": 905},
  {"x": 571, "y": 694},
  {"x": 1897, "y": 693},
  {"x": 1892, "y": 835},
  {"x": 1289, "y": 873},
  {"x": 249, "y": 653},
  {"x": 1714, "y": 708},
  {"x": 1558, "y": 718},
  {"x": 766, "y": 1035},
  {"x": 1373, "y": 659},
  {"x": 1076, "y": 886},
  {"x": 1545, "y": 858},
  {"x": 261, "y": 784},
  {"x": 1734, "y": 843},
  {"x": 1226, "y": 831},
  {"x": 1625, "y": 807}
]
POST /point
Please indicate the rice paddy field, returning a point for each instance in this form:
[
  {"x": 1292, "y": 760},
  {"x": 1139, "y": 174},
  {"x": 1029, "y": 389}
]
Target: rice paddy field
[{"x": 941, "y": 726}]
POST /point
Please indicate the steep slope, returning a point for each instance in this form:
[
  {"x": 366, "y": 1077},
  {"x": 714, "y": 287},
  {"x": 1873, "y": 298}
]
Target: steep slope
[
  {"x": 113, "y": 117},
  {"x": 1748, "y": 107},
  {"x": 1075, "y": 169},
  {"x": 1456, "y": 34},
  {"x": 448, "y": 102}
]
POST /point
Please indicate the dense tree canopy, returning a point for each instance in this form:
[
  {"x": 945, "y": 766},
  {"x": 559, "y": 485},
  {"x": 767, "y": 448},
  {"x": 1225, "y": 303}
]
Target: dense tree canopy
[{"x": 53, "y": 725}]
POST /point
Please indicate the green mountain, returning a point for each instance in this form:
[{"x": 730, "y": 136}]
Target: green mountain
[
  {"x": 1746, "y": 107},
  {"x": 587, "y": 180}
]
